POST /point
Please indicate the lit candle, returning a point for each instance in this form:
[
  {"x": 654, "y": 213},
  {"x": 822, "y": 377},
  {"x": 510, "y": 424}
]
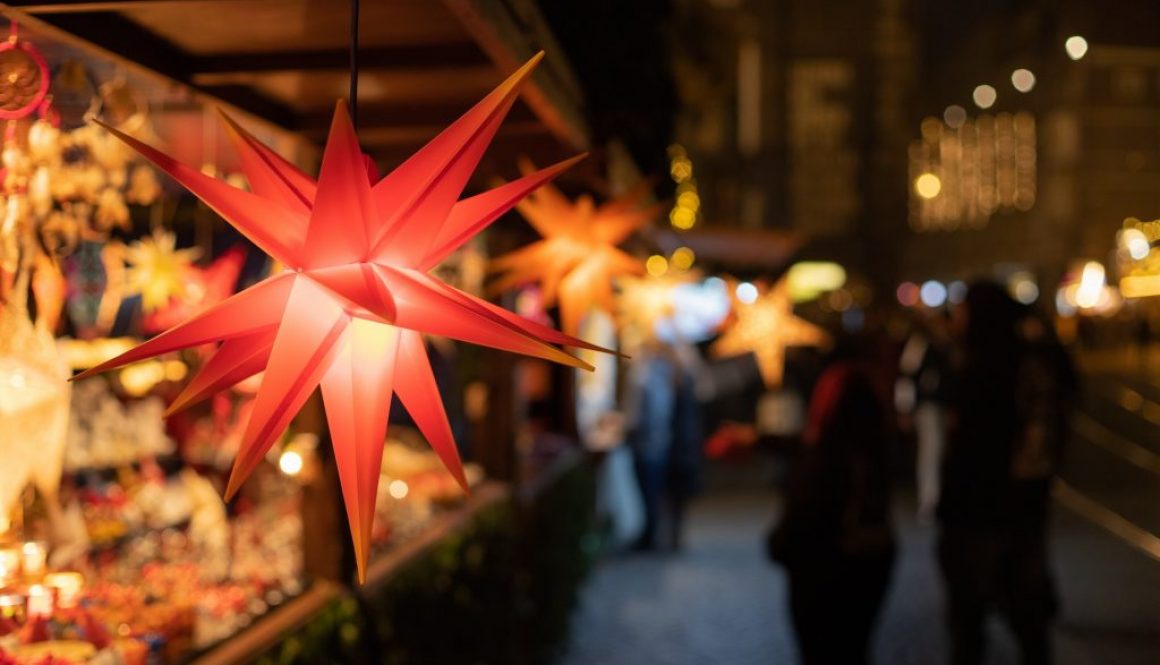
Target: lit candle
[
  {"x": 35, "y": 557},
  {"x": 68, "y": 587},
  {"x": 9, "y": 564},
  {"x": 39, "y": 601}
]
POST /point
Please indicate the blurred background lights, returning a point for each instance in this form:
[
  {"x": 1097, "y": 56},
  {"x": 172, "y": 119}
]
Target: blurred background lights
[
  {"x": 927, "y": 185},
  {"x": 907, "y": 294},
  {"x": 1023, "y": 80},
  {"x": 954, "y": 116},
  {"x": 290, "y": 462},
  {"x": 398, "y": 489},
  {"x": 957, "y": 291},
  {"x": 984, "y": 96},
  {"x": 933, "y": 293},
  {"x": 656, "y": 265},
  {"x": 682, "y": 258},
  {"x": 807, "y": 280},
  {"x": 1091, "y": 285},
  {"x": 1023, "y": 288},
  {"x": 746, "y": 293},
  {"x": 1076, "y": 47},
  {"x": 1135, "y": 243}
]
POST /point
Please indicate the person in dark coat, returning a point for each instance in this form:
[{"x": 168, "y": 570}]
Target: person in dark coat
[
  {"x": 835, "y": 538},
  {"x": 1008, "y": 404},
  {"x": 666, "y": 436}
]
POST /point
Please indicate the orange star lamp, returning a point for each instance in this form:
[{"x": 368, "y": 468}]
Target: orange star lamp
[
  {"x": 348, "y": 311},
  {"x": 577, "y": 259},
  {"x": 765, "y": 328}
]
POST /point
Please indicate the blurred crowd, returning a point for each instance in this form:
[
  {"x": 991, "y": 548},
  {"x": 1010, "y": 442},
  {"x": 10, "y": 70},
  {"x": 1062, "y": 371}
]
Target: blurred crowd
[{"x": 979, "y": 393}]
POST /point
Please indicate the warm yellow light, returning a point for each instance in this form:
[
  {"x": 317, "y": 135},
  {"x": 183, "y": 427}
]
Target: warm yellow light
[
  {"x": 807, "y": 280},
  {"x": 1076, "y": 47},
  {"x": 683, "y": 258},
  {"x": 689, "y": 200},
  {"x": 398, "y": 489},
  {"x": 290, "y": 463},
  {"x": 984, "y": 96},
  {"x": 656, "y": 265},
  {"x": 682, "y": 218},
  {"x": 139, "y": 378},
  {"x": 1140, "y": 286},
  {"x": 1135, "y": 243},
  {"x": 1023, "y": 80},
  {"x": 927, "y": 185},
  {"x": 681, "y": 169},
  {"x": 175, "y": 370},
  {"x": 1091, "y": 285}
]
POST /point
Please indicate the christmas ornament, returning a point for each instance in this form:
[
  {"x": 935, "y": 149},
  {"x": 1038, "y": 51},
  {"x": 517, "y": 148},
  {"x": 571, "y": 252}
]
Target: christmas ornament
[
  {"x": 157, "y": 269},
  {"x": 765, "y": 328},
  {"x": 577, "y": 260},
  {"x": 348, "y": 311}
]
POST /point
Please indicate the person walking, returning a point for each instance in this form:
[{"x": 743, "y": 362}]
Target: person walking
[
  {"x": 835, "y": 538},
  {"x": 1007, "y": 417}
]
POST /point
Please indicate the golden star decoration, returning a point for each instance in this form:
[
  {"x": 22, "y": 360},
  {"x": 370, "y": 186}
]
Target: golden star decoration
[
  {"x": 577, "y": 259},
  {"x": 765, "y": 328},
  {"x": 157, "y": 269},
  {"x": 348, "y": 311}
]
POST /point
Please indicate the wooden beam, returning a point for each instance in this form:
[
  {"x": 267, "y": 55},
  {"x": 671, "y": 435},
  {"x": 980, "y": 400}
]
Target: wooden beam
[
  {"x": 116, "y": 34},
  {"x": 510, "y": 38},
  {"x": 81, "y": 6},
  {"x": 465, "y": 54},
  {"x": 372, "y": 116}
]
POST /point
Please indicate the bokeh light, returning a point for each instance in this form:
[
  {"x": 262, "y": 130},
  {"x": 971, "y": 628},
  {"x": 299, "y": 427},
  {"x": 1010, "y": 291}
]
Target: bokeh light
[
  {"x": 1023, "y": 80},
  {"x": 682, "y": 258},
  {"x": 933, "y": 293},
  {"x": 656, "y": 265},
  {"x": 927, "y": 185},
  {"x": 746, "y": 293},
  {"x": 1076, "y": 47},
  {"x": 907, "y": 294},
  {"x": 984, "y": 96},
  {"x": 954, "y": 116}
]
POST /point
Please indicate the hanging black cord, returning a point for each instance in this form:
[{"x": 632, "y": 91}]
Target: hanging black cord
[{"x": 353, "y": 100}]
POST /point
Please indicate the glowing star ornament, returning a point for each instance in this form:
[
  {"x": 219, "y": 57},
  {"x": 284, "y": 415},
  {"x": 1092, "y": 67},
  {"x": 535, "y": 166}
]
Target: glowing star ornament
[
  {"x": 157, "y": 269},
  {"x": 349, "y": 310},
  {"x": 577, "y": 260},
  {"x": 765, "y": 328}
]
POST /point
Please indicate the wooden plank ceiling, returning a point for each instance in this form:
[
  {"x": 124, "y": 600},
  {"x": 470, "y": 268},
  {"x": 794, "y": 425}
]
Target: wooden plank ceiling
[{"x": 422, "y": 63}]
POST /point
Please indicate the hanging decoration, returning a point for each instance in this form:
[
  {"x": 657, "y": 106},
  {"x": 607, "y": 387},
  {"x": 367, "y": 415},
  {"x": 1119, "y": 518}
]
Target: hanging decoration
[
  {"x": 34, "y": 404},
  {"x": 348, "y": 311},
  {"x": 157, "y": 270},
  {"x": 25, "y": 76},
  {"x": 201, "y": 289},
  {"x": 577, "y": 259},
  {"x": 765, "y": 327}
]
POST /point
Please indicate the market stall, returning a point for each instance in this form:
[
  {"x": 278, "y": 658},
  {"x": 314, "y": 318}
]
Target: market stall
[{"x": 116, "y": 545}]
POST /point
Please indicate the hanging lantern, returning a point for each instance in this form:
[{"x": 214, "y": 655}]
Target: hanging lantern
[
  {"x": 349, "y": 310},
  {"x": 577, "y": 259},
  {"x": 766, "y": 326}
]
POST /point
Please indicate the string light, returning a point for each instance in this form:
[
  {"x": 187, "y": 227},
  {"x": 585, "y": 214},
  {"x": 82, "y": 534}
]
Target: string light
[
  {"x": 962, "y": 176},
  {"x": 687, "y": 208},
  {"x": 656, "y": 265}
]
